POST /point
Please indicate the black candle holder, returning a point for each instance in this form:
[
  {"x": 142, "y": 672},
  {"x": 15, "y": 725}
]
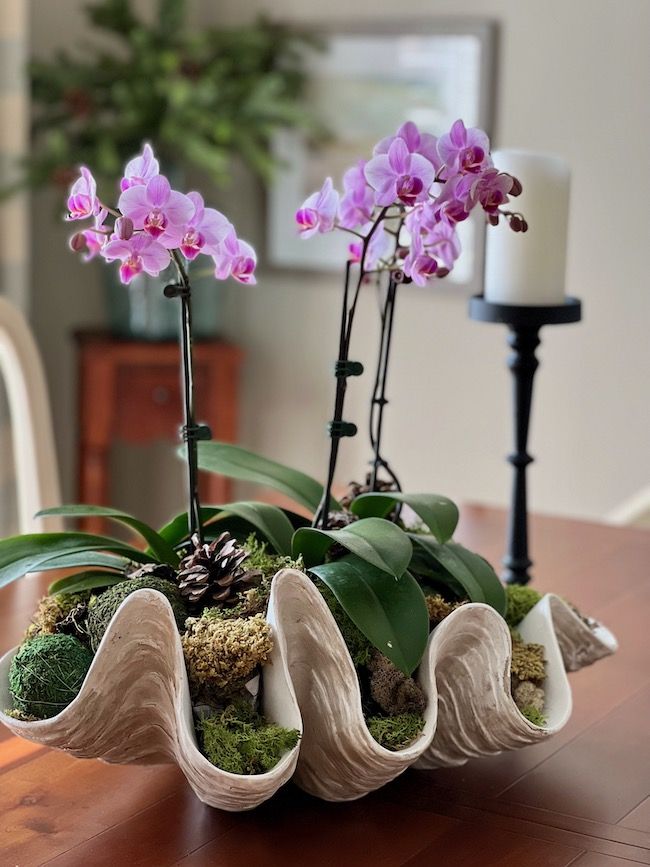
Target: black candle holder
[{"x": 524, "y": 323}]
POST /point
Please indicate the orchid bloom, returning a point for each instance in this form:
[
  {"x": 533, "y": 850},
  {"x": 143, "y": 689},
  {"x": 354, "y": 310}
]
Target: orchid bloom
[
  {"x": 140, "y": 169},
  {"x": 399, "y": 174},
  {"x": 203, "y": 233},
  {"x": 318, "y": 212},
  {"x": 419, "y": 265},
  {"x": 139, "y": 253},
  {"x": 417, "y": 142},
  {"x": 358, "y": 200},
  {"x": 235, "y": 258},
  {"x": 83, "y": 201},
  {"x": 377, "y": 249},
  {"x": 465, "y": 150},
  {"x": 155, "y": 207}
]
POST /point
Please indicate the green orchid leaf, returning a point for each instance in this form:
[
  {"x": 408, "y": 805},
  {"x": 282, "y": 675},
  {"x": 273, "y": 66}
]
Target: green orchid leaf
[
  {"x": 159, "y": 546},
  {"x": 438, "y": 513},
  {"x": 29, "y": 553},
  {"x": 92, "y": 579},
  {"x": 391, "y": 614},
  {"x": 238, "y": 463},
  {"x": 270, "y": 521},
  {"x": 374, "y": 540},
  {"x": 475, "y": 575},
  {"x": 114, "y": 562}
]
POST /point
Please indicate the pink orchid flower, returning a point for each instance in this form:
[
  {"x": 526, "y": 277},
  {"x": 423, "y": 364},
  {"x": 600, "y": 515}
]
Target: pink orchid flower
[
  {"x": 399, "y": 174},
  {"x": 140, "y": 169},
  {"x": 155, "y": 207},
  {"x": 236, "y": 258},
  {"x": 358, "y": 200},
  {"x": 139, "y": 253},
  {"x": 443, "y": 243},
  {"x": 94, "y": 240},
  {"x": 203, "y": 233},
  {"x": 378, "y": 247},
  {"x": 318, "y": 212},
  {"x": 417, "y": 142},
  {"x": 465, "y": 150},
  {"x": 419, "y": 265},
  {"x": 83, "y": 201},
  {"x": 491, "y": 190}
]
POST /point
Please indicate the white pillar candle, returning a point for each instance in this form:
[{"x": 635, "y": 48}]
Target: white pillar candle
[{"x": 528, "y": 267}]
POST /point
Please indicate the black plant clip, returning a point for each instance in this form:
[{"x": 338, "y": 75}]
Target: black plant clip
[
  {"x": 338, "y": 429},
  {"x": 344, "y": 368},
  {"x": 177, "y": 290},
  {"x": 195, "y": 432}
]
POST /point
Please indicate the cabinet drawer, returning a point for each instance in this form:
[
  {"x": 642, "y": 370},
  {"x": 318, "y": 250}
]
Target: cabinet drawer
[{"x": 149, "y": 401}]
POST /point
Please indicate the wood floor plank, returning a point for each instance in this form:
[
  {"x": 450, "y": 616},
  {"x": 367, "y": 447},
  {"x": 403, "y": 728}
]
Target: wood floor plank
[
  {"x": 53, "y": 802},
  {"x": 158, "y": 835},
  {"x": 319, "y": 834},
  {"x": 471, "y": 845},
  {"x": 595, "y": 859},
  {"x": 602, "y": 774},
  {"x": 639, "y": 817}
]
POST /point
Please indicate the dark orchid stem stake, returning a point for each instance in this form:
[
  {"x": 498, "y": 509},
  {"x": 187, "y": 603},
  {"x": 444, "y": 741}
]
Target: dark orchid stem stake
[
  {"x": 379, "y": 400},
  {"x": 190, "y": 432}
]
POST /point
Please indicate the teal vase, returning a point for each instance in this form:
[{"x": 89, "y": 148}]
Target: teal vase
[{"x": 141, "y": 311}]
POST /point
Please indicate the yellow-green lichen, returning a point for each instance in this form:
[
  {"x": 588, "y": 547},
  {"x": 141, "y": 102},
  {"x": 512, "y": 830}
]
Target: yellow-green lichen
[
  {"x": 51, "y": 611},
  {"x": 221, "y": 655}
]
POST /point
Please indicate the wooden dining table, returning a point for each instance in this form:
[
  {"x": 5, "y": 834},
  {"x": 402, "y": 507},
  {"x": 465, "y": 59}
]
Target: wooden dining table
[{"x": 582, "y": 797}]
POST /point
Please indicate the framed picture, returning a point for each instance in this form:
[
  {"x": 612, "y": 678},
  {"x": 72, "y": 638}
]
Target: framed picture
[{"x": 367, "y": 82}]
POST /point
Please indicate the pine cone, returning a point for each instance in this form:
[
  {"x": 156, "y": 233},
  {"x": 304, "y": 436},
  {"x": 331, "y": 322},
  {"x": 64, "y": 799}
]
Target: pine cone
[{"x": 214, "y": 572}]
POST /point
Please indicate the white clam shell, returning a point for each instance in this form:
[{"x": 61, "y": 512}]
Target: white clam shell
[{"x": 134, "y": 705}]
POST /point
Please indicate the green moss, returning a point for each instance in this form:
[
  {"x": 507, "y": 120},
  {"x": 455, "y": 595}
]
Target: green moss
[
  {"x": 395, "y": 732},
  {"x": 102, "y": 608},
  {"x": 533, "y": 715},
  {"x": 519, "y": 602},
  {"x": 46, "y": 674},
  {"x": 361, "y": 650},
  {"x": 268, "y": 564},
  {"x": 240, "y": 741}
]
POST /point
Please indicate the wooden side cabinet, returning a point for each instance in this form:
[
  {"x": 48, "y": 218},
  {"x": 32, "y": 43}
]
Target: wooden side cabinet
[{"x": 130, "y": 390}]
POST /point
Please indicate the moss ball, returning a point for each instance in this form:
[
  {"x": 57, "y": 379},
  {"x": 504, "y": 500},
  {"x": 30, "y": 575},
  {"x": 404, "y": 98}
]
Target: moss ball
[
  {"x": 102, "y": 608},
  {"x": 519, "y": 602},
  {"x": 47, "y": 673}
]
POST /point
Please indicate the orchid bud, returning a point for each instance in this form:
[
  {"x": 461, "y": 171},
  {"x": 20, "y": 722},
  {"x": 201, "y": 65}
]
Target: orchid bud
[
  {"x": 516, "y": 224},
  {"x": 77, "y": 242},
  {"x": 493, "y": 219},
  {"x": 516, "y": 188},
  {"x": 524, "y": 226},
  {"x": 442, "y": 272},
  {"x": 124, "y": 228}
]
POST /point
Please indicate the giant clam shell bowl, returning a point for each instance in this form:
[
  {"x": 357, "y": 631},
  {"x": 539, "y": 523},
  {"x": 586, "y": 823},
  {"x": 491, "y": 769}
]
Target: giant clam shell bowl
[{"x": 134, "y": 705}]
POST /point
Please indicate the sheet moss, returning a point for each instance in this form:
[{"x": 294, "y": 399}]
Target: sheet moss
[
  {"x": 395, "y": 732},
  {"x": 519, "y": 602},
  {"x": 533, "y": 715},
  {"x": 241, "y": 741}
]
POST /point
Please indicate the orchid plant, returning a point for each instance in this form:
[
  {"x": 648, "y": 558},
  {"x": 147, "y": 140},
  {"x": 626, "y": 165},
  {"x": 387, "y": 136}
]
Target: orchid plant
[
  {"x": 402, "y": 208},
  {"x": 374, "y": 562}
]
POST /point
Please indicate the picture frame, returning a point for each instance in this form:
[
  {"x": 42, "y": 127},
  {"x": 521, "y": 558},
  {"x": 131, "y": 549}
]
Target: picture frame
[{"x": 368, "y": 80}]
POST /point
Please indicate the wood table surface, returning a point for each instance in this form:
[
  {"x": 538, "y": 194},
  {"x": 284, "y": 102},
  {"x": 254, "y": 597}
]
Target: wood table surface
[{"x": 581, "y": 798}]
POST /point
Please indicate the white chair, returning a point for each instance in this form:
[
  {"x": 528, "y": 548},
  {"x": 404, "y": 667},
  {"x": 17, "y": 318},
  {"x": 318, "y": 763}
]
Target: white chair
[{"x": 32, "y": 435}]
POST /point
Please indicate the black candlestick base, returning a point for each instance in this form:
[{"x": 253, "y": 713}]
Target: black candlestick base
[{"x": 524, "y": 323}]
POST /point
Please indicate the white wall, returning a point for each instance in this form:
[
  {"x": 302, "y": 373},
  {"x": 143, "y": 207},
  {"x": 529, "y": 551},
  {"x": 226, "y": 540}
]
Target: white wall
[{"x": 572, "y": 80}]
